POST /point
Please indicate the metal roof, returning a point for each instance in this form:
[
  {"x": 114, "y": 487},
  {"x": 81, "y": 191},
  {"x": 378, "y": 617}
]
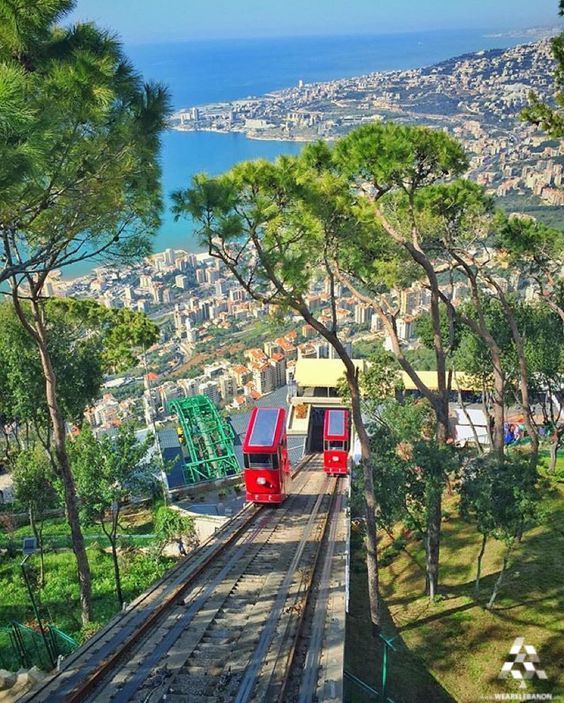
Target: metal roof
[
  {"x": 323, "y": 372},
  {"x": 329, "y": 373},
  {"x": 264, "y": 428},
  {"x": 335, "y": 425}
]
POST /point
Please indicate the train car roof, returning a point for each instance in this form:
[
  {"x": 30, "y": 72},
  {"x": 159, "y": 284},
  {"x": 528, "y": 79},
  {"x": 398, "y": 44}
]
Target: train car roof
[
  {"x": 265, "y": 429},
  {"x": 336, "y": 424}
]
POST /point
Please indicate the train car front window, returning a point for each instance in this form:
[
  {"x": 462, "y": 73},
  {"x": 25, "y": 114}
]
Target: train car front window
[
  {"x": 259, "y": 461},
  {"x": 335, "y": 444}
]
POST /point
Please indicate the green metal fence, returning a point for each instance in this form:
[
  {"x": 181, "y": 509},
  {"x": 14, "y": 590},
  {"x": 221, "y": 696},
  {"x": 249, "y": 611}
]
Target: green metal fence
[{"x": 22, "y": 647}]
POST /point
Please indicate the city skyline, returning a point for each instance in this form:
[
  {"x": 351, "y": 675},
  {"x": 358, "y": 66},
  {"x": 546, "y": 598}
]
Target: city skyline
[{"x": 245, "y": 19}]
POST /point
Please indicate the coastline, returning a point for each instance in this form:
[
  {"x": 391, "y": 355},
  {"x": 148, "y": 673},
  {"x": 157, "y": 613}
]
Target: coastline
[
  {"x": 325, "y": 109},
  {"x": 203, "y": 150},
  {"x": 248, "y": 135}
]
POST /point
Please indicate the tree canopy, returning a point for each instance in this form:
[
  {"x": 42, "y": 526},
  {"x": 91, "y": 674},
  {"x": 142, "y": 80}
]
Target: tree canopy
[{"x": 79, "y": 139}]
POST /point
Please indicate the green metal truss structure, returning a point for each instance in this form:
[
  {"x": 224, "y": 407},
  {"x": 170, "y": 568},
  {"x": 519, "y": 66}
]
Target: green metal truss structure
[{"x": 208, "y": 440}]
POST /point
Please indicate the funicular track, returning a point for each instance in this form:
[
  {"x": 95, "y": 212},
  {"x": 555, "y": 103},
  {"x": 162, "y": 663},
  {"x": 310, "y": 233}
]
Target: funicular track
[{"x": 230, "y": 623}]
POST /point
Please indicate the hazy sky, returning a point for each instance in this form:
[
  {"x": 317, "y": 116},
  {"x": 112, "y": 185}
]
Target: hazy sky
[{"x": 139, "y": 21}]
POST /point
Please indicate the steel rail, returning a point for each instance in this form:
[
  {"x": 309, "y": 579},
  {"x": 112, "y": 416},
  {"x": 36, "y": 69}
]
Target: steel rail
[
  {"x": 331, "y": 523},
  {"x": 103, "y": 668},
  {"x": 252, "y": 672},
  {"x": 308, "y": 683}
]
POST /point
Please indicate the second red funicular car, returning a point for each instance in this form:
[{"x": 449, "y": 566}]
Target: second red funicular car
[
  {"x": 267, "y": 467},
  {"x": 336, "y": 438}
]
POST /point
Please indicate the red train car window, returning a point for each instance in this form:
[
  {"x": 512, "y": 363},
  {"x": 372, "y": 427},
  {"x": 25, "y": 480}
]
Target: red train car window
[
  {"x": 336, "y": 423},
  {"x": 261, "y": 461},
  {"x": 264, "y": 429}
]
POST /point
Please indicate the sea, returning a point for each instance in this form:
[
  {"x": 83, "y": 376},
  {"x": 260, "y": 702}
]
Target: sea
[{"x": 199, "y": 72}]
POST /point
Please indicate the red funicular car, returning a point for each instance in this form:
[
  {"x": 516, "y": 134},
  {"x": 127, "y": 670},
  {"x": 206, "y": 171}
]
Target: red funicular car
[
  {"x": 267, "y": 467},
  {"x": 336, "y": 437}
]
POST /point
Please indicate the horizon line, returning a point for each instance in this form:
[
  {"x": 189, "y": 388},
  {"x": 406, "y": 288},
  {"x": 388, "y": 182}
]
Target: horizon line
[{"x": 488, "y": 31}]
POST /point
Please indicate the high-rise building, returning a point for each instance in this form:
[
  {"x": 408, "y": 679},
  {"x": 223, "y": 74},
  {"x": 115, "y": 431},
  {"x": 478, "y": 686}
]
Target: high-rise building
[
  {"x": 212, "y": 275},
  {"x": 405, "y": 328},
  {"x": 333, "y": 354},
  {"x": 236, "y": 295},
  {"x": 264, "y": 378},
  {"x": 278, "y": 363},
  {"x": 169, "y": 257},
  {"x": 211, "y": 389},
  {"x": 376, "y": 324},
  {"x": 145, "y": 281},
  {"x": 178, "y": 318},
  {"x": 361, "y": 313},
  {"x": 157, "y": 293},
  {"x": 271, "y": 348},
  {"x": 150, "y": 406},
  {"x": 191, "y": 333},
  {"x": 190, "y": 386},
  {"x": 227, "y": 387}
]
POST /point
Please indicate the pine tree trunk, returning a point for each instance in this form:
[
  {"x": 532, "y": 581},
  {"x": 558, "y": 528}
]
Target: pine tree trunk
[
  {"x": 368, "y": 480},
  {"x": 479, "y": 566},
  {"x": 434, "y": 507},
  {"x": 71, "y": 501},
  {"x": 38, "y": 538},
  {"x": 469, "y": 420},
  {"x": 38, "y": 333},
  {"x": 523, "y": 375},
  {"x": 487, "y": 415},
  {"x": 499, "y": 579},
  {"x": 117, "y": 574},
  {"x": 554, "y": 447},
  {"x": 41, "y": 558},
  {"x": 498, "y": 403},
  {"x": 433, "y": 540},
  {"x": 553, "y": 456},
  {"x": 369, "y": 504}
]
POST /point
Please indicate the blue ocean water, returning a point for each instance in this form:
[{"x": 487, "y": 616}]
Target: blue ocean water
[
  {"x": 187, "y": 153},
  {"x": 201, "y": 72},
  {"x": 205, "y": 71}
]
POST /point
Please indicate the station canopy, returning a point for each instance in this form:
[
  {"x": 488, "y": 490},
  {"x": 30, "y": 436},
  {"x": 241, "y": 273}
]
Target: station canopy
[
  {"x": 329, "y": 373},
  {"x": 460, "y": 380},
  {"x": 323, "y": 372}
]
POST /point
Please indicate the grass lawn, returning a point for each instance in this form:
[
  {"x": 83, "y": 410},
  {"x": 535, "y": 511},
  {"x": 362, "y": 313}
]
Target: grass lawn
[
  {"x": 454, "y": 649},
  {"x": 409, "y": 681},
  {"x": 59, "y": 597},
  {"x": 56, "y": 531}
]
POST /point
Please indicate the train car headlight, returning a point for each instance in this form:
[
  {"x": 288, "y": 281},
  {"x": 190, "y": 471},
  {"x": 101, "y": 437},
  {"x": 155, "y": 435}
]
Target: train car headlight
[
  {"x": 261, "y": 481},
  {"x": 335, "y": 458}
]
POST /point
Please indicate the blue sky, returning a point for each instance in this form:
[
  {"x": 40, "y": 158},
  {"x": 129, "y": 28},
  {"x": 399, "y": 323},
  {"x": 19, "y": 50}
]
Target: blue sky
[{"x": 140, "y": 21}]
